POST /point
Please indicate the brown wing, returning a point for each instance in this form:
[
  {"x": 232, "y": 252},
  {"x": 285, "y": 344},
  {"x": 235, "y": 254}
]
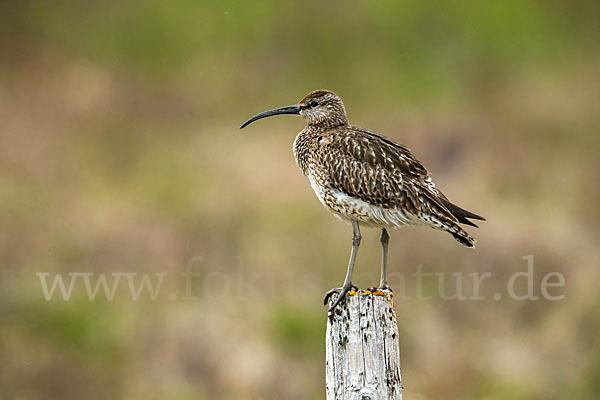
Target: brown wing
[{"x": 372, "y": 168}]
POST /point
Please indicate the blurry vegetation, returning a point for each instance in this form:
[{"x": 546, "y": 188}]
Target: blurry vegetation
[
  {"x": 120, "y": 152},
  {"x": 298, "y": 330}
]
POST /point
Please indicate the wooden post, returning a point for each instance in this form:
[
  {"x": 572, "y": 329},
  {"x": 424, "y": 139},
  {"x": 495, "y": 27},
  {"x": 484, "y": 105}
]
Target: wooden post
[{"x": 362, "y": 348}]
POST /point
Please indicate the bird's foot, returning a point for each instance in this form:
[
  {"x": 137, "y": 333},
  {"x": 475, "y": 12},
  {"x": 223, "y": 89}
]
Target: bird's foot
[
  {"x": 385, "y": 286},
  {"x": 342, "y": 291}
]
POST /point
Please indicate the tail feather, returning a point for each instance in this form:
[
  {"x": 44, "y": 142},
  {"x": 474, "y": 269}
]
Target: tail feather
[
  {"x": 456, "y": 231},
  {"x": 461, "y": 236},
  {"x": 461, "y": 214}
]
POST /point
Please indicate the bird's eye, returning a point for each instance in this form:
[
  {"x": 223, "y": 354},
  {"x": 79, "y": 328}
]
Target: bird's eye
[{"x": 314, "y": 104}]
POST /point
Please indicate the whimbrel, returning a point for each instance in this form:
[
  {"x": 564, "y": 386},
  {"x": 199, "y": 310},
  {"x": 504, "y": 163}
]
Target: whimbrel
[{"x": 366, "y": 179}]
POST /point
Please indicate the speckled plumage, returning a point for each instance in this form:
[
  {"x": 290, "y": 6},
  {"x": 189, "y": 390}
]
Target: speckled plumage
[
  {"x": 357, "y": 173},
  {"x": 366, "y": 179}
]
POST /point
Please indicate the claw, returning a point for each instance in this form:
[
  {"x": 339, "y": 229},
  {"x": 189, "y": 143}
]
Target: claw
[
  {"x": 342, "y": 293},
  {"x": 330, "y": 293},
  {"x": 385, "y": 286}
]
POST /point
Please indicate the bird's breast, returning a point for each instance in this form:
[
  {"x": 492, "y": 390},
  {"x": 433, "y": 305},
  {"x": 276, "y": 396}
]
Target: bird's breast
[{"x": 303, "y": 149}]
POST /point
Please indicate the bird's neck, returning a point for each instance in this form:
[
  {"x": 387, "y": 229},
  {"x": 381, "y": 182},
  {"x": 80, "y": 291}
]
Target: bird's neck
[{"x": 328, "y": 123}]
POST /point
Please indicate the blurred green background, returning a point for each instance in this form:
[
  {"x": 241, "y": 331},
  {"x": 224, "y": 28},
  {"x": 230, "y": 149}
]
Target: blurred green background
[{"x": 120, "y": 153}]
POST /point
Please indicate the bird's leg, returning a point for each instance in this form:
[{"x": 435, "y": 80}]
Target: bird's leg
[
  {"x": 356, "y": 236},
  {"x": 384, "y": 239}
]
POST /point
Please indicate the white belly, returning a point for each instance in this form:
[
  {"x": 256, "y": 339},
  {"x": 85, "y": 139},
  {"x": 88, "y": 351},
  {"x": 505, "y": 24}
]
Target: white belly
[{"x": 348, "y": 208}]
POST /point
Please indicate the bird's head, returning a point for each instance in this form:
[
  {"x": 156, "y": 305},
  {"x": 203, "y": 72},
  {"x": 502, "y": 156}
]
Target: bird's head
[{"x": 320, "y": 108}]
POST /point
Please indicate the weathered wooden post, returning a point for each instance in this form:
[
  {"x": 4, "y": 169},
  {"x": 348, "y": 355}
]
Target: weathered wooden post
[{"x": 362, "y": 348}]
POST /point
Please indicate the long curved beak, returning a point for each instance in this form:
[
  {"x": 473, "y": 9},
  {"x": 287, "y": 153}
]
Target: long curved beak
[{"x": 283, "y": 110}]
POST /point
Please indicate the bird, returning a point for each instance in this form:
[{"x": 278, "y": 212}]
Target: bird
[{"x": 366, "y": 179}]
